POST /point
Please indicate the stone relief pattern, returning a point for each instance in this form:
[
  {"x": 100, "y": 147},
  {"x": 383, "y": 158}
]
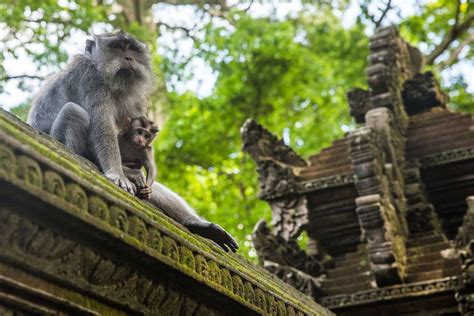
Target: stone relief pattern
[
  {"x": 325, "y": 183},
  {"x": 94, "y": 269},
  {"x": 447, "y": 157},
  {"x": 287, "y": 260},
  {"x": 289, "y": 216},
  {"x": 276, "y": 163},
  {"x": 26, "y": 241},
  {"x": 402, "y": 291},
  {"x": 276, "y": 180}
]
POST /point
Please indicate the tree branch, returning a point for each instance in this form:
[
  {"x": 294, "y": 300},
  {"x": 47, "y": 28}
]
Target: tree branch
[
  {"x": 456, "y": 52},
  {"x": 379, "y": 21},
  {"x": 21, "y": 77},
  {"x": 457, "y": 30},
  {"x": 180, "y": 28},
  {"x": 248, "y": 7}
]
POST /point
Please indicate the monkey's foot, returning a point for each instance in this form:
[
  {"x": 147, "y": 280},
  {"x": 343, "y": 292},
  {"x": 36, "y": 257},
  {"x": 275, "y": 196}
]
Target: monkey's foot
[
  {"x": 215, "y": 233},
  {"x": 121, "y": 181},
  {"x": 136, "y": 177}
]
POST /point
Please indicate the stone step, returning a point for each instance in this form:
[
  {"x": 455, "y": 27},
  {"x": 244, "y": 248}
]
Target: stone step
[
  {"x": 418, "y": 250},
  {"x": 458, "y": 141},
  {"x": 454, "y": 125},
  {"x": 349, "y": 279},
  {"x": 426, "y": 257},
  {"x": 425, "y": 240},
  {"x": 318, "y": 172},
  {"x": 344, "y": 263},
  {"x": 348, "y": 288},
  {"x": 350, "y": 270},
  {"x": 361, "y": 253},
  {"x": 430, "y": 275},
  {"x": 433, "y": 119},
  {"x": 433, "y": 265}
]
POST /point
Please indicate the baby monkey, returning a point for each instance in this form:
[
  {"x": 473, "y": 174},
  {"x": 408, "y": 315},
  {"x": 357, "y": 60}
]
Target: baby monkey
[{"x": 134, "y": 142}]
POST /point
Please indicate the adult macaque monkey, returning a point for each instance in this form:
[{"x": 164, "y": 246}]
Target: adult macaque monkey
[{"x": 84, "y": 105}]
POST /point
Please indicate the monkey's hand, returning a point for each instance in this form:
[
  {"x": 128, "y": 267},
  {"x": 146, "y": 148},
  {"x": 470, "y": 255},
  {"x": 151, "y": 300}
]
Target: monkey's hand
[
  {"x": 120, "y": 180},
  {"x": 145, "y": 193},
  {"x": 215, "y": 233}
]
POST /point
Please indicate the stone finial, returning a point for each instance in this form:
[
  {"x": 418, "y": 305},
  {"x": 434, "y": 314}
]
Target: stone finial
[
  {"x": 421, "y": 93},
  {"x": 260, "y": 143},
  {"x": 359, "y": 103}
]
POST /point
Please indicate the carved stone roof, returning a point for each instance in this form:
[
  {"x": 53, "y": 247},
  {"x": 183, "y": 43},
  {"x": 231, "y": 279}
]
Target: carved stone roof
[
  {"x": 72, "y": 242},
  {"x": 383, "y": 205}
]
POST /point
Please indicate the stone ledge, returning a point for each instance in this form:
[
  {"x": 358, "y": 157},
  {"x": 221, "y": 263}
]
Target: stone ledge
[
  {"x": 64, "y": 190},
  {"x": 446, "y": 157},
  {"x": 425, "y": 288}
]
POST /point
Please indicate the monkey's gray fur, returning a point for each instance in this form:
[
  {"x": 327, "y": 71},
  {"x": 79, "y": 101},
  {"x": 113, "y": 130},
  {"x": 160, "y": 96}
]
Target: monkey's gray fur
[{"x": 84, "y": 105}]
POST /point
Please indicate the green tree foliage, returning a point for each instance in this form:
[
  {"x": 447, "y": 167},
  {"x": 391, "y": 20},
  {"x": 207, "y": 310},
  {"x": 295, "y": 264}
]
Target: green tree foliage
[
  {"x": 290, "y": 73},
  {"x": 292, "y": 87}
]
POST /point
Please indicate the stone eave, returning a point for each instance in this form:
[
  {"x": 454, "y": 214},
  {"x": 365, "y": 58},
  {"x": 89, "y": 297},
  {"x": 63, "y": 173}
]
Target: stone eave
[
  {"x": 325, "y": 182},
  {"x": 30, "y": 162},
  {"x": 446, "y": 157},
  {"x": 392, "y": 293},
  {"x": 314, "y": 185}
]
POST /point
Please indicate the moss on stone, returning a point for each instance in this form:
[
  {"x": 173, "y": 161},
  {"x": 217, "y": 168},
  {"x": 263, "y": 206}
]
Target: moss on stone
[{"x": 54, "y": 156}]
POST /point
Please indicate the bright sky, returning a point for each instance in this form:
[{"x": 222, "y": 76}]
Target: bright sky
[{"x": 203, "y": 79}]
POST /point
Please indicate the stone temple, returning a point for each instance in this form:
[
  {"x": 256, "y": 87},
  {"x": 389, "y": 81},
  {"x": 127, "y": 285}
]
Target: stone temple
[
  {"x": 73, "y": 243},
  {"x": 388, "y": 209}
]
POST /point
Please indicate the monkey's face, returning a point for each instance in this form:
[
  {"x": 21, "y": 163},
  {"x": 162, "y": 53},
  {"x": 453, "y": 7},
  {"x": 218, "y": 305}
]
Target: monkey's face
[
  {"x": 121, "y": 58},
  {"x": 141, "y": 137}
]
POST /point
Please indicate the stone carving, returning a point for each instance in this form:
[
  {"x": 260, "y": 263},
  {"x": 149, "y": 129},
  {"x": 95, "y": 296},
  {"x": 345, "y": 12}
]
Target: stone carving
[
  {"x": 374, "y": 209},
  {"x": 359, "y": 104},
  {"x": 447, "y": 157},
  {"x": 24, "y": 241},
  {"x": 422, "y": 92},
  {"x": 392, "y": 293},
  {"x": 325, "y": 183},
  {"x": 276, "y": 249},
  {"x": 289, "y": 216},
  {"x": 306, "y": 283},
  {"x": 276, "y": 163},
  {"x": 276, "y": 180},
  {"x": 393, "y": 233},
  {"x": 260, "y": 143},
  {"x": 285, "y": 259}
]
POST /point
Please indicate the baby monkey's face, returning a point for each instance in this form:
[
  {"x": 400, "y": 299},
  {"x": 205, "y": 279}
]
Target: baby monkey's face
[
  {"x": 141, "y": 132},
  {"x": 142, "y": 137}
]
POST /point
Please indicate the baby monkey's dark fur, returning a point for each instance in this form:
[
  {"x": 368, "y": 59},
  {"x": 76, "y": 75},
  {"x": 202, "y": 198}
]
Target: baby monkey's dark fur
[{"x": 134, "y": 142}]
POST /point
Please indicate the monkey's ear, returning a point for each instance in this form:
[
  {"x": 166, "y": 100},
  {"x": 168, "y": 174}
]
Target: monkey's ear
[
  {"x": 90, "y": 44},
  {"x": 154, "y": 129},
  {"x": 125, "y": 125}
]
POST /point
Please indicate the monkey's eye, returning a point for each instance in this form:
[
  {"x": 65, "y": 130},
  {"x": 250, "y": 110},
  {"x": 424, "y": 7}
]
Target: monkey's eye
[
  {"x": 147, "y": 136},
  {"x": 134, "y": 48},
  {"x": 140, "y": 132}
]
